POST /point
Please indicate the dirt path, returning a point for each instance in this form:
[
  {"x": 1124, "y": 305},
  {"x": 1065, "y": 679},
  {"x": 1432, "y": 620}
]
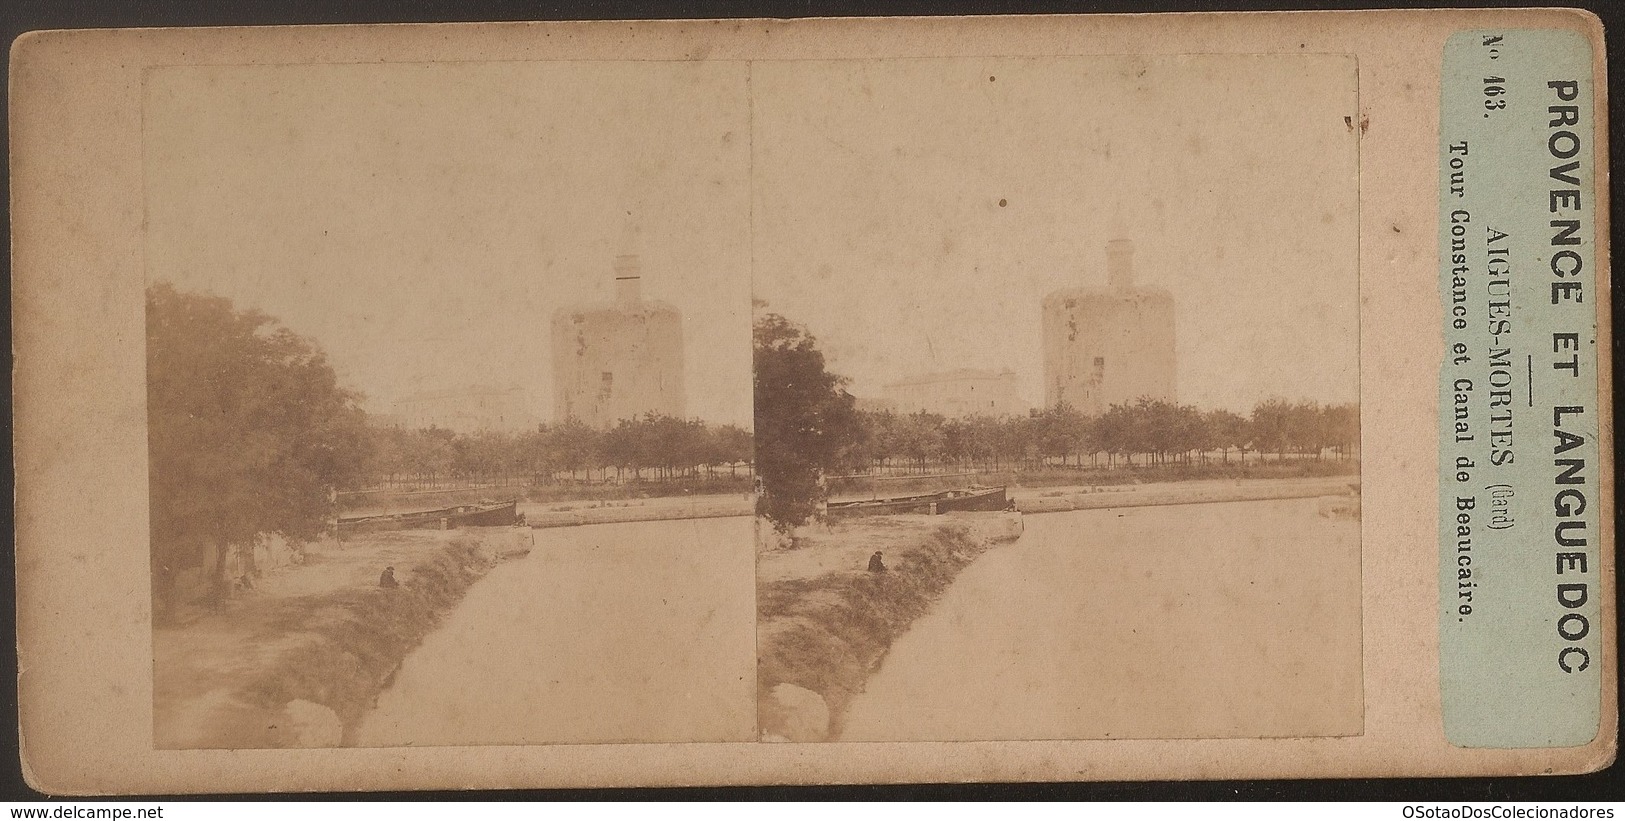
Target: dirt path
[{"x": 220, "y": 675}]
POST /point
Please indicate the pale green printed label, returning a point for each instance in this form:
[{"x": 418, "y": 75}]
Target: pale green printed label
[{"x": 1521, "y": 638}]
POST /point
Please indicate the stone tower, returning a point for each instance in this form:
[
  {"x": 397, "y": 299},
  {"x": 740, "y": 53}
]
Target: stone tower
[
  {"x": 620, "y": 360},
  {"x": 1111, "y": 345}
]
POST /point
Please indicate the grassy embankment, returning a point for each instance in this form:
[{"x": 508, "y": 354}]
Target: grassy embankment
[
  {"x": 825, "y": 623},
  {"x": 299, "y": 660}
]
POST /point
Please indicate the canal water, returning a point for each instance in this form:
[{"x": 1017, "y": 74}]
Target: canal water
[
  {"x": 1237, "y": 619},
  {"x": 634, "y": 632}
]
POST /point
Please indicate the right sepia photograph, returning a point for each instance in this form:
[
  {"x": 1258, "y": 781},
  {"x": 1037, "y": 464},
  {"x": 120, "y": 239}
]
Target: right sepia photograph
[{"x": 1057, "y": 398}]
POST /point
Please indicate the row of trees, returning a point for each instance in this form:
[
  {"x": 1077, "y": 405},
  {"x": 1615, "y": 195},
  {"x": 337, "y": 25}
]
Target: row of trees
[
  {"x": 660, "y": 447},
  {"x": 807, "y": 427},
  {"x": 652, "y": 447},
  {"x": 1145, "y": 432}
]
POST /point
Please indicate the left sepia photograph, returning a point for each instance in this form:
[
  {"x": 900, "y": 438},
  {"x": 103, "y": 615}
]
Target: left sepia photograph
[{"x": 449, "y": 404}]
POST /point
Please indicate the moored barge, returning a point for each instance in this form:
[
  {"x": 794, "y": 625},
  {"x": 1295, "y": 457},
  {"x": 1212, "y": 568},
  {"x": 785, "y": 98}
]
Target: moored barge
[
  {"x": 970, "y": 499},
  {"x": 489, "y": 514}
]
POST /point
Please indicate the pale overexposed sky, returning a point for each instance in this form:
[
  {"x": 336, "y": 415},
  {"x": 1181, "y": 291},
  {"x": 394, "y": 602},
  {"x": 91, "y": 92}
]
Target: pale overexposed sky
[
  {"x": 879, "y": 223},
  {"x": 423, "y": 221}
]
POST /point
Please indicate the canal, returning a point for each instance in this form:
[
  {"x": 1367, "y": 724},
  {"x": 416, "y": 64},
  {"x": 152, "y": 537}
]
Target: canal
[
  {"x": 632, "y": 632},
  {"x": 1235, "y": 619}
]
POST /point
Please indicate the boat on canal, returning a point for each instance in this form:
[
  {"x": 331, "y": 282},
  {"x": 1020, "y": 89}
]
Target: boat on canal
[
  {"x": 968, "y": 499},
  {"x": 484, "y": 514}
]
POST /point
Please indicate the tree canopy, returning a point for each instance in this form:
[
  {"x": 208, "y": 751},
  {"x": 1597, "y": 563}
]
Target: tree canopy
[
  {"x": 668, "y": 446},
  {"x": 249, "y": 432},
  {"x": 1155, "y": 430},
  {"x": 805, "y": 420}
]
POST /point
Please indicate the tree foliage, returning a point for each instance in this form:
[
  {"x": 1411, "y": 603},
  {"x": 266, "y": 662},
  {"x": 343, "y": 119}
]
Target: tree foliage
[
  {"x": 1148, "y": 431},
  {"x": 806, "y": 422},
  {"x": 249, "y": 432},
  {"x": 653, "y": 446}
]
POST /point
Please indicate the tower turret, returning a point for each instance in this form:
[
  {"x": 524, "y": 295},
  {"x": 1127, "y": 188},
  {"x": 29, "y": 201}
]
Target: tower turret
[
  {"x": 1109, "y": 345},
  {"x": 621, "y": 359}
]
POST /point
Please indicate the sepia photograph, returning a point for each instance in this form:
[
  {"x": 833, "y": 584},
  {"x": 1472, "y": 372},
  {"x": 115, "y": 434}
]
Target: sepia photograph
[
  {"x": 1051, "y": 432},
  {"x": 449, "y": 404},
  {"x": 1057, "y": 398},
  {"x": 1008, "y": 399}
]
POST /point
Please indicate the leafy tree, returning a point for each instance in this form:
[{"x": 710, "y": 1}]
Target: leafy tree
[
  {"x": 1271, "y": 426},
  {"x": 622, "y": 448},
  {"x": 1306, "y": 428},
  {"x": 805, "y": 419},
  {"x": 574, "y": 445},
  {"x": 676, "y": 445},
  {"x": 481, "y": 456},
  {"x": 955, "y": 442},
  {"x": 1342, "y": 424},
  {"x": 249, "y": 433},
  {"x": 433, "y": 454},
  {"x": 734, "y": 446},
  {"x": 1227, "y": 430},
  {"x": 387, "y": 450},
  {"x": 534, "y": 459},
  {"x": 1061, "y": 431},
  {"x": 1119, "y": 432},
  {"x": 1016, "y": 439},
  {"x": 921, "y": 437},
  {"x": 881, "y": 437},
  {"x": 1179, "y": 429}
]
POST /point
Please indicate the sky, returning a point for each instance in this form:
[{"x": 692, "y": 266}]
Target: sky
[
  {"x": 914, "y": 213},
  {"x": 423, "y": 222}
]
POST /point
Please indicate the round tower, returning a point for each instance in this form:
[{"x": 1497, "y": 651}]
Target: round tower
[
  {"x": 1109, "y": 346},
  {"x": 618, "y": 360}
]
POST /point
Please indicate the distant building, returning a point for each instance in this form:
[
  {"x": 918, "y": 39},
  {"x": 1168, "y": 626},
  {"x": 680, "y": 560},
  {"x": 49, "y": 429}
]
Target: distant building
[
  {"x": 1109, "y": 346},
  {"x": 618, "y": 361},
  {"x": 957, "y": 393},
  {"x": 466, "y": 410}
]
